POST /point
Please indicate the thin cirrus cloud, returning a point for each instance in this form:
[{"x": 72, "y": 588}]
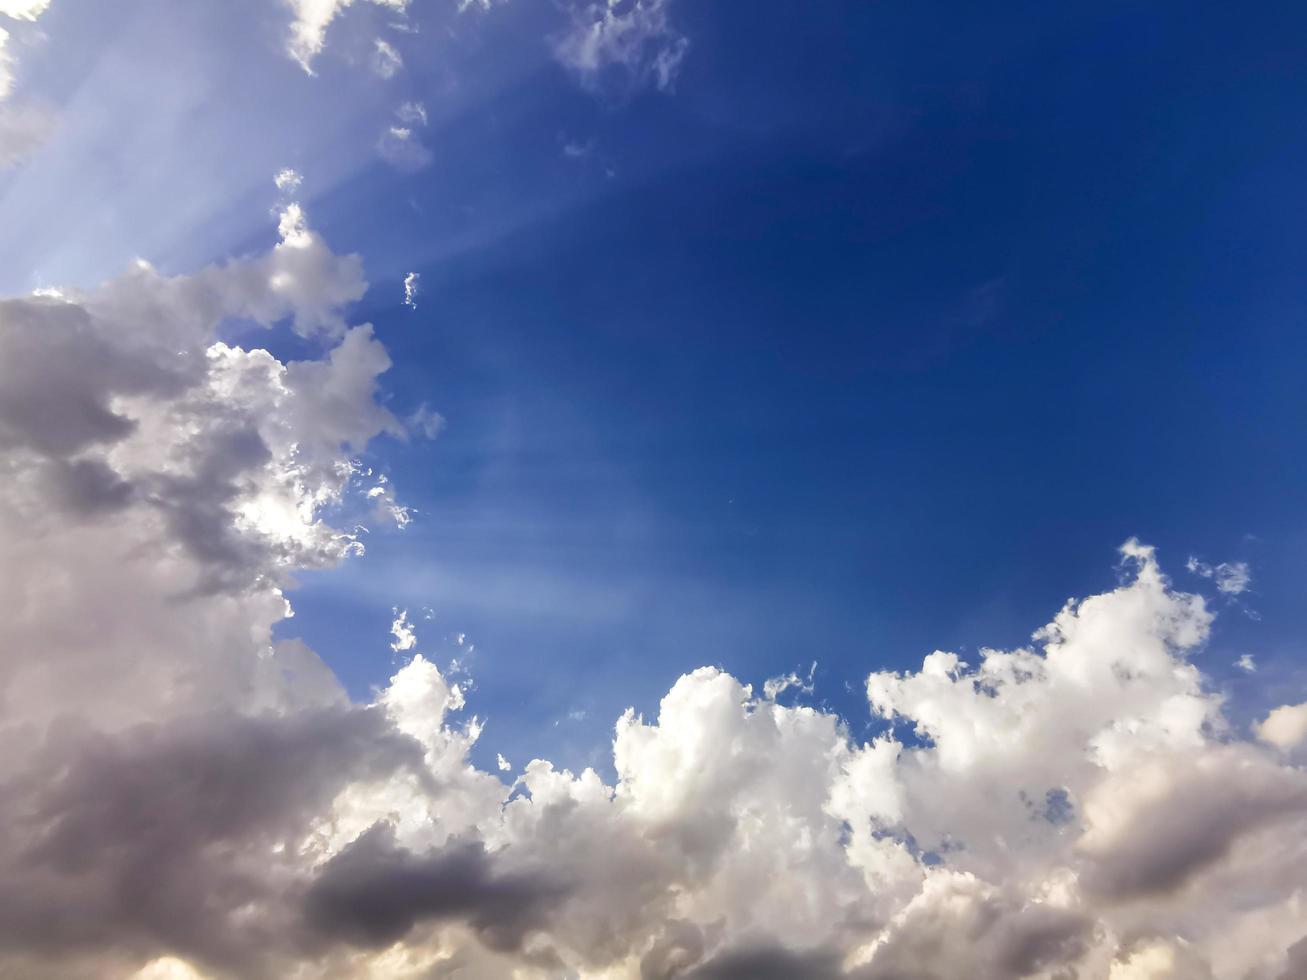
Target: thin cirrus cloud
[
  {"x": 210, "y": 801},
  {"x": 638, "y": 40}
]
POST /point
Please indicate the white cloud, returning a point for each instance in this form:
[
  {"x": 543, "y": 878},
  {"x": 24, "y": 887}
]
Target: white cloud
[
  {"x": 308, "y": 31},
  {"x": 24, "y": 9},
  {"x": 412, "y": 286},
  {"x": 1246, "y": 663},
  {"x": 288, "y": 180},
  {"x": 1076, "y": 806},
  {"x": 401, "y": 629},
  {"x": 386, "y": 61},
  {"x": 774, "y": 687},
  {"x": 503, "y": 764},
  {"x": 6, "y": 65},
  {"x": 635, "y": 37},
  {"x": 1231, "y": 578},
  {"x": 1285, "y": 727}
]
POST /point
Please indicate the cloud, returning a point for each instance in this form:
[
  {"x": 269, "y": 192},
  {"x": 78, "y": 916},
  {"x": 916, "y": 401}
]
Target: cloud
[
  {"x": 386, "y": 61},
  {"x": 412, "y": 113},
  {"x": 1285, "y": 727},
  {"x": 1231, "y": 578},
  {"x": 288, "y": 180},
  {"x": 412, "y": 286},
  {"x": 24, "y": 126},
  {"x": 635, "y": 38},
  {"x": 960, "y": 926},
  {"x": 401, "y": 146},
  {"x": 374, "y": 892},
  {"x": 426, "y": 422},
  {"x": 308, "y": 31},
  {"x": 402, "y": 630},
  {"x": 187, "y": 796},
  {"x": 24, "y": 9}
]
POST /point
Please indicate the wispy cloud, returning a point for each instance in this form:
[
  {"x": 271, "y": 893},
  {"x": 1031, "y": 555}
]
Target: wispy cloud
[
  {"x": 635, "y": 38},
  {"x": 1230, "y": 578}
]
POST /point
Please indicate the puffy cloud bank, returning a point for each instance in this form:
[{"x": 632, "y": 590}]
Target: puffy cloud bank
[{"x": 184, "y": 797}]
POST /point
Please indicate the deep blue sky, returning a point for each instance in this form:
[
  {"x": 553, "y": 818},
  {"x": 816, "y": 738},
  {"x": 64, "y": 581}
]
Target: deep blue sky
[{"x": 877, "y": 335}]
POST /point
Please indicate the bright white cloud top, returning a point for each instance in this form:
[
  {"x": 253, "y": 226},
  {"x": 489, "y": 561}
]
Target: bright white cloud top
[{"x": 183, "y": 794}]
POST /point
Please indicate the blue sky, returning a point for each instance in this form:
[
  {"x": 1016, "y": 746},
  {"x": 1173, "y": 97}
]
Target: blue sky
[
  {"x": 652, "y": 490},
  {"x": 875, "y": 333}
]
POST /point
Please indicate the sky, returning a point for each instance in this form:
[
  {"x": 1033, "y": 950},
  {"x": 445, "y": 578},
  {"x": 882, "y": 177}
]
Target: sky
[{"x": 652, "y": 489}]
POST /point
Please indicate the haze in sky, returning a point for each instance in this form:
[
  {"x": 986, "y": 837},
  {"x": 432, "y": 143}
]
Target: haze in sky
[{"x": 652, "y": 490}]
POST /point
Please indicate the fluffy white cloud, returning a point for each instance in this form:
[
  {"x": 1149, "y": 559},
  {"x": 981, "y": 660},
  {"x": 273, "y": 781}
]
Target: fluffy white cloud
[
  {"x": 23, "y": 9},
  {"x": 1285, "y": 727},
  {"x": 405, "y": 638},
  {"x": 635, "y": 37},
  {"x": 184, "y": 797}
]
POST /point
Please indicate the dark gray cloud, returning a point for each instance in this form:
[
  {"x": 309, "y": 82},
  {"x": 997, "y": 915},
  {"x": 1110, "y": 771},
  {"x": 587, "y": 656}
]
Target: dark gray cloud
[
  {"x": 961, "y": 927},
  {"x": 769, "y": 963},
  {"x": 59, "y": 373},
  {"x": 158, "y": 838},
  {"x": 374, "y": 892},
  {"x": 1296, "y": 967},
  {"x": 1223, "y": 795}
]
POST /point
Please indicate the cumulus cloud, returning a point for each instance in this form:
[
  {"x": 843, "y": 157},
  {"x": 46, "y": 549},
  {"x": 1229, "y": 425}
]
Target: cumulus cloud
[
  {"x": 1285, "y": 727},
  {"x": 402, "y": 630},
  {"x": 634, "y": 38},
  {"x": 412, "y": 286},
  {"x": 183, "y": 796}
]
